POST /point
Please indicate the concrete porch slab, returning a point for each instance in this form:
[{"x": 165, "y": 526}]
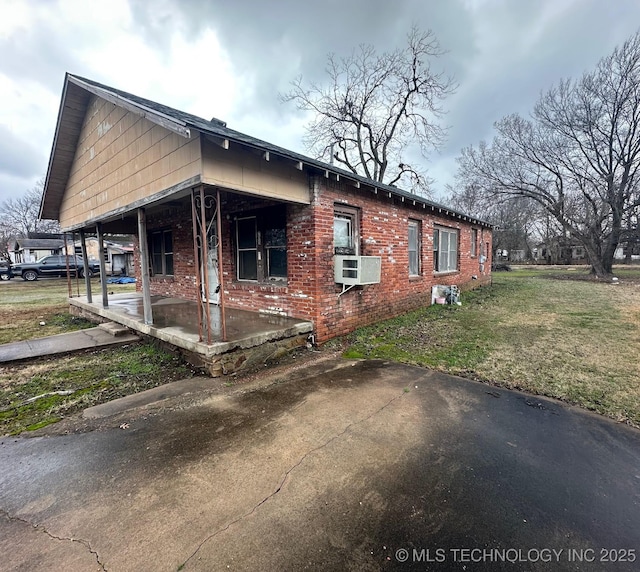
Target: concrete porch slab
[{"x": 175, "y": 321}]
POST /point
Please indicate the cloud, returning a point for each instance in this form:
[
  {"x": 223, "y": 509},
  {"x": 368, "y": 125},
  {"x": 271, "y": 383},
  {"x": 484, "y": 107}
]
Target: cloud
[
  {"x": 18, "y": 157},
  {"x": 232, "y": 59}
]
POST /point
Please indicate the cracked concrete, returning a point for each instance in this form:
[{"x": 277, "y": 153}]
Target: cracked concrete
[
  {"x": 10, "y": 553},
  {"x": 330, "y": 468},
  {"x": 286, "y": 476}
]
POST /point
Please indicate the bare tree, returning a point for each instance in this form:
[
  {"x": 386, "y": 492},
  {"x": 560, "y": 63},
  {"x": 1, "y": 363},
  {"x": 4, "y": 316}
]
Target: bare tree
[
  {"x": 19, "y": 217},
  {"x": 375, "y": 106},
  {"x": 577, "y": 157},
  {"x": 517, "y": 221}
]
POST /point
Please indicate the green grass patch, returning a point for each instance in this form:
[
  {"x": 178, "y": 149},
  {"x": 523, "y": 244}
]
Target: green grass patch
[
  {"x": 41, "y": 392},
  {"x": 548, "y": 331}
]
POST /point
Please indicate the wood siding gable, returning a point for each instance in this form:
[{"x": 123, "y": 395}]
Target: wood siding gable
[{"x": 121, "y": 159}]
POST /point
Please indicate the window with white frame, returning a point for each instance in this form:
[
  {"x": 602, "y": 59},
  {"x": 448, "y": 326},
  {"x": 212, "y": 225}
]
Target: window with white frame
[
  {"x": 414, "y": 247},
  {"x": 445, "y": 249},
  {"x": 474, "y": 242},
  {"x": 346, "y": 237}
]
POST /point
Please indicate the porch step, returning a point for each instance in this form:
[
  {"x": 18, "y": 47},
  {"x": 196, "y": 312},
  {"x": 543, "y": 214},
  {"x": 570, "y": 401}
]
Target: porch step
[{"x": 114, "y": 329}]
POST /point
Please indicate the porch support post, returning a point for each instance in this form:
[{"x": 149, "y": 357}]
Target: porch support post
[
  {"x": 103, "y": 268},
  {"x": 197, "y": 262},
  {"x": 75, "y": 261},
  {"x": 66, "y": 260},
  {"x": 205, "y": 261},
  {"x": 85, "y": 261},
  {"x": 144, "y": 267},
  {"x": 223, "y": 319}
]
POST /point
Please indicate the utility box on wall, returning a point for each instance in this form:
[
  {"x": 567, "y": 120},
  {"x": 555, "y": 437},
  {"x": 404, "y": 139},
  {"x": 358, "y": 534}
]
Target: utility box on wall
[{"x": 357, "y": 270}]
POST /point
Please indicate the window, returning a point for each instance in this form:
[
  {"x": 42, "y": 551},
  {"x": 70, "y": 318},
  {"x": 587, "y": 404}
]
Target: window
[
  {"x": 445, "y": 250},
  {"x": 474, "y": 242},
  {"x": 247, "y": 238},
  {"x": 161, "y": 250},
  {"x": 345, "y": 230},
  {"x": 261, "y": 245},
  {"x": 414, "y": 248},
  {"x": 275, "y": 244}
]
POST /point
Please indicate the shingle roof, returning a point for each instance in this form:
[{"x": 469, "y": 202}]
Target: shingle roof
[{"x": 182, "y": 122}]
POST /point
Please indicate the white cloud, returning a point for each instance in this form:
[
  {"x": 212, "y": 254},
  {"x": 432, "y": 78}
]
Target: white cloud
[{"x": 230, "y": 59}]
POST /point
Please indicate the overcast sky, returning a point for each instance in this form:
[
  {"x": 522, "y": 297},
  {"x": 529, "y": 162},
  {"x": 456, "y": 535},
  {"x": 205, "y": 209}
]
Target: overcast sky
[{"x": 230, "y": 59}]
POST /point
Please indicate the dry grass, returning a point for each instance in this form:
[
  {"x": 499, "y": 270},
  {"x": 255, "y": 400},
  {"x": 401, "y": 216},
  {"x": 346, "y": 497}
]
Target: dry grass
[
  {"x": 574, "y": 340},
  {"x": 39, "y": 392},
  {"x": 24, "y": 305}
]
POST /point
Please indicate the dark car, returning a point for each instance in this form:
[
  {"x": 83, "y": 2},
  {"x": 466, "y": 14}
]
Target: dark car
[
  {"x": 54, "y": 265},
  {"x": 5, "y": 271}
]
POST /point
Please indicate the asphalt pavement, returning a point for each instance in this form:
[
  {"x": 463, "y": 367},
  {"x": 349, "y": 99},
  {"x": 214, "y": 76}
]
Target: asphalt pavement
[{"x": 343, "y": 466}]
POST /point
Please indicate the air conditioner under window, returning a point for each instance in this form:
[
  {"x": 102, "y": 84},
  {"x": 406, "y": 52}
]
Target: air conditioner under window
[{"x": 357, "y": 270}]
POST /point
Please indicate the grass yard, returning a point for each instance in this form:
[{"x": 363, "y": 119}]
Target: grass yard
[
  {"x": 39, "y": 392},
  {"x": 23, "y": 305},
  {"x": 543, "y": 330}
]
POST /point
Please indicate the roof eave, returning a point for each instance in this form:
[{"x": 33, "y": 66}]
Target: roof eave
[
  {"x": 45, "y": 211},
  {"x": 157, "y": 117}
]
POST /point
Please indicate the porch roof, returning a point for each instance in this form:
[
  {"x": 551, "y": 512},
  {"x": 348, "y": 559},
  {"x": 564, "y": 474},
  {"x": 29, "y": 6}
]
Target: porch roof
[{"x": 75, "y": 98}]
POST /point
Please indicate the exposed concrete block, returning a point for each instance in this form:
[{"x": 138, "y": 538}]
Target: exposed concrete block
[{"x": 114, "y": 329}]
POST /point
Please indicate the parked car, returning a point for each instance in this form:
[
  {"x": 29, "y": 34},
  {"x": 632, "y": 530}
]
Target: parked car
[
  {"x": 5, "y": 271},
  {"x": 54, "y": 265}
]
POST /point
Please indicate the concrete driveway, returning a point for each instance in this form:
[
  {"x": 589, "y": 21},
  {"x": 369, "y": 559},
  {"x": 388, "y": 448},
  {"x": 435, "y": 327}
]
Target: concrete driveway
[{"x": 344, "y": 466}]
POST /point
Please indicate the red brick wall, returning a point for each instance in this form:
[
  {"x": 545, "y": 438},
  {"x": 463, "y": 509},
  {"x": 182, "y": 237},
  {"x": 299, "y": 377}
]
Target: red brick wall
[
  {"x": 183, "y": 282},
  {"x": 310, "y": 291}
]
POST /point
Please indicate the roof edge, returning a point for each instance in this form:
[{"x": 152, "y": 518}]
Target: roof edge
[
  {"x": 157, "y": 117},
  {"x": 53, "y": 150}
]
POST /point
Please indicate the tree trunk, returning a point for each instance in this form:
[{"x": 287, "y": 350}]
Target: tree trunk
[{"x": 601, "y": 262}]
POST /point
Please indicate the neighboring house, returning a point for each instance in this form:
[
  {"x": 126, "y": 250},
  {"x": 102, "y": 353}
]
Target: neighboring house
[
  {"x": 560, "y": 250},
  {"x": 221, "y": 216},
  {"x": 628, "y": 251},
  {"x": 510, "y": 255},
  {"x": 117, "y": 253},
  {"x": 32, "y": 249}
]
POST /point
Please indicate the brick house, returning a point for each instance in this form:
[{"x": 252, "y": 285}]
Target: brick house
[{"x": 232, "y": 223}]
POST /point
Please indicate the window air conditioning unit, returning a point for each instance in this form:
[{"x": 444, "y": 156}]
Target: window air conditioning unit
[{"x": 357, "y": 270}]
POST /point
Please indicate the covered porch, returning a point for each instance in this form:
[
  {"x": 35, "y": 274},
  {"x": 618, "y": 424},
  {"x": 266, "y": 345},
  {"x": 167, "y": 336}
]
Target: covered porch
[{"x": 251, "y": 337}]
